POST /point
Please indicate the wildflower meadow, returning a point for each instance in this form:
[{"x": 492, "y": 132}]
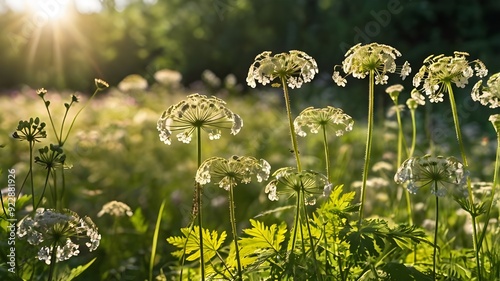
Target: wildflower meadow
[{"x": 159, "y": 182}]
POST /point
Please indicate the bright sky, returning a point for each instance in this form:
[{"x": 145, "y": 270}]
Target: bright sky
[{"x": 53, "y": 6}]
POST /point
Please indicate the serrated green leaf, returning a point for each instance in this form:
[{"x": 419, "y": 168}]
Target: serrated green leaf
[
  {"x": 263, "y": 241},
  {"x": 211, "y": 243}
]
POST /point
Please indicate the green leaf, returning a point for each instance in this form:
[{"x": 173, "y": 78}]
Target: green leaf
[
  {"x": 397, "y": 272},
  {"x": 139, "y": 222},
  {"x": 263, "y": 242},
  {"x": 211, "y": 243},
  {"x": 75, "y": 272}
]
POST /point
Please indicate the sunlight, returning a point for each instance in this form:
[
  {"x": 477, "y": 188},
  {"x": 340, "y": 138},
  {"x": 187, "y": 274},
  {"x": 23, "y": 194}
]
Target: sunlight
[{"x": 51, "y": 11}]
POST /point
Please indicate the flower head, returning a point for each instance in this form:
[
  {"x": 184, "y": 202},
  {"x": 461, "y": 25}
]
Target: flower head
[
  {"x": 227, "y": 173},
  {"x": 287, "y": 181},
  {"x": 60, "y": 231},
  {"x": 31, "y": 131},
  {"x": 101, "y": 84},
  {"x": 323, "y": 118},
  {"x": 489, "y": 94},
  {"x": 394, "y": 91},
  {"x": 441, "y": 174},
  {"x": 495, "y": 120},
  {"x": 294, "y": 67},
  {"x": 361, "y": 59},
  {"x": 416, "y": 99},
  {"x": 439, "y": 71},
  {"x": 197, "y": 111},
  {"x": 115, "y": 209},
  {"x": 51, "y": 158}
]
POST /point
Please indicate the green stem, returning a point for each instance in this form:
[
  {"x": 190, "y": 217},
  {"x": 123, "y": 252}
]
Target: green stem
[
  {"x": 493, "y": 191},
  {"x": 469, "y": 187},
  {"x": 401, "y": 140},
  {"x": 155, "y": 241},
  {"x": 327, "y": 154},
  {"x": 296, "y": 222},
  {"x": 313, "y": 248},
  {"x": 199, "y": 207},
  {"x": 232, "y": 218},
  {"x": 434, "y": 256},
  {"x": 58, "y": 137},
  {"x": 31, "y": 176},
  {"x": 291, "y": 126},
  {"x": 413, "y": 133},
  {"x": 53, "y": 257},
  {"x": 74, "y": 118},
  {"x": 368, "y": 144}
]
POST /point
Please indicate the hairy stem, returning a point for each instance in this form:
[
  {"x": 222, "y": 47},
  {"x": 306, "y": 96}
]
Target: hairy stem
[
  {"x": 368, "y": 144},
  {"x": 291, "y": 126},
  {"x": 327, "y": 154},
  {"x": 234, "y": 230},
  {"x": 199, "y": 206}
]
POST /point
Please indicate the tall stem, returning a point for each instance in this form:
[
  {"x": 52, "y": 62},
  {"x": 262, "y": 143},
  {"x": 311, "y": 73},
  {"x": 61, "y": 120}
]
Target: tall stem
[
  {"x": 234, "y": 230},
  {"x": 493, "y": 190},
  {"x": 31, "y": 177},
  {"x": 413, "y": 133},
  {"x": 327, "y": 155},
  {"x": 434, "y": 256},
  {"x": 401, "y": 140},
  {"x": 291, "y": 126},
  {"x": 297, "y": 158},
  {"x": 199, "y": 207},
  {"x": 53, "y": 257},
  {"x": 469, "y": 187},
  {"x": 368, "y": 144}
]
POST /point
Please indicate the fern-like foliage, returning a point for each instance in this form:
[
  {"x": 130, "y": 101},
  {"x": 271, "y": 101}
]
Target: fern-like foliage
[
  {"x": 212, "y": 242},
  {"x": 262, "y": 243}
]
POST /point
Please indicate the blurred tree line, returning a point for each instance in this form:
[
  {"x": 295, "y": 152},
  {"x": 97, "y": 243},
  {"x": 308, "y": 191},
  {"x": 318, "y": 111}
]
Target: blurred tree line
[{"x": 225, "y": 35}]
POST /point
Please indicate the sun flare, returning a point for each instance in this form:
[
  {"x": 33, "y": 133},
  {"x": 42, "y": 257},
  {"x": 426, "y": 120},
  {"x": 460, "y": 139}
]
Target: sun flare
[{"x": 49, "y": 10}]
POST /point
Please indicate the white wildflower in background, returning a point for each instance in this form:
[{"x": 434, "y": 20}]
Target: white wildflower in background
[
  {"x": 323, "y": 118},
  {"x": 489, "y": 94},
  {"x": 361, "y": 59},
  {"x": 442, "y": 175},
  {"x": 51, "y": 230},
  {"x": 438, "y": 72},
  {"x": 227, "y": 173},
  {"x": 295, "y": 68},
  {"x": 197, "y": 112},
  {"x": 168, "y": 77},
  {"x": 287, "y": 181},
  {"x": 115, "y": 209},
  {"x": 133, "y": 82}
]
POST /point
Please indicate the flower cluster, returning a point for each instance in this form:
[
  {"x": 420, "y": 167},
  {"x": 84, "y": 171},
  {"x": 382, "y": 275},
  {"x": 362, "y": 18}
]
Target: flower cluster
[
  {"x": 489, "y": 94},
  {"x": 361, "y": 59},
  {"x": 51, "y": 158},
  {"x": 52, "y": 230},
  {"x": 228, "y": 172},
  {"x": 328, "y": 117},
  {"x": 438, "y": 72},
  {"x": 295, "y": 67},
  {"x": 31, "y": 131},
  {"x": 290, "y": 183},
  {"x": 115, "y": 209},
  {"x": 197, "y": 111},
  {"x": 441, "y": 174},
  {"x": 101, "y": 84}
]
